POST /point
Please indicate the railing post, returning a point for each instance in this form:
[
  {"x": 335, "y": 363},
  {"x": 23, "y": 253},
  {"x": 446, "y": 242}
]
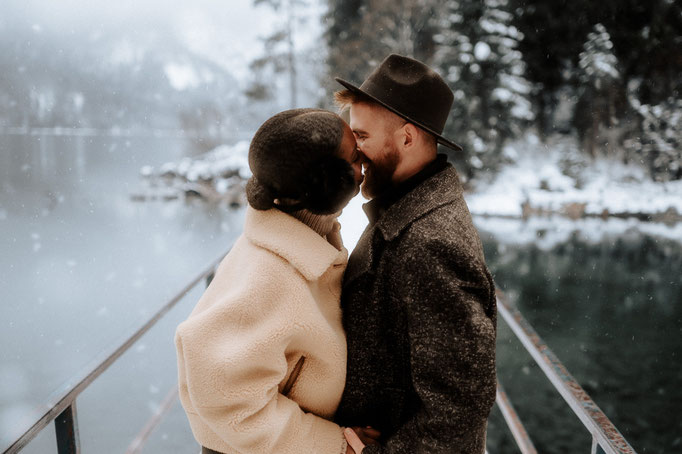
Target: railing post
[
  {"x": 596, "y": 447},
  {"x": 523, "y": 441},
  {"x": 66, "y": 426}
]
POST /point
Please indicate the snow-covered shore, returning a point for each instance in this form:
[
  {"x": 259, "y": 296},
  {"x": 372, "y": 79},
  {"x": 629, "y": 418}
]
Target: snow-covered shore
[
  {"x": 218, "y": 175},
  {"x": 545, "y": 232},
  {"x": 553, "y": 179},
  {"x": 549, "y": 193}
]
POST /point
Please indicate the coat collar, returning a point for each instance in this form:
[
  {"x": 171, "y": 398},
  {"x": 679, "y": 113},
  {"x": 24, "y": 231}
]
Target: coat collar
[
  {"x": 440, "y": 189},
  {"x": 289, "y": 238}
]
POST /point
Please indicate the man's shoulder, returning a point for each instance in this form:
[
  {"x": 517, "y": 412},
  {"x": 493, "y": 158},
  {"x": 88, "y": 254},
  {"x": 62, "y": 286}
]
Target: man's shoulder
[
  {"x": 445, "y": 231},
  {"x": 449, "y": 221},
  {"x": 446, "y": 226}
]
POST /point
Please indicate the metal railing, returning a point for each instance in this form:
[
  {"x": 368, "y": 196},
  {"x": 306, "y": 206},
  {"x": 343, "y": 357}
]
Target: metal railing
[
  {"x": 606, "y": 439},
  {"x": 61, "y": 405}
]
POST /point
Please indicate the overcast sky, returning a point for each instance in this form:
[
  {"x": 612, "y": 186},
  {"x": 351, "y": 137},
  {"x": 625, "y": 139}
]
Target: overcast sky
[{"x": 227, "y": 31}]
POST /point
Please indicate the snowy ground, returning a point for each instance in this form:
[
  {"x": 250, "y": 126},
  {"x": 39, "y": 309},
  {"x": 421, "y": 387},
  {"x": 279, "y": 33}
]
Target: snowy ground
[
  {"x": 548, "y": 194},
  {"x": 553, "y": 178},
  {"x": 551, "y": 193},
  {"x": 548, "y": 231}
]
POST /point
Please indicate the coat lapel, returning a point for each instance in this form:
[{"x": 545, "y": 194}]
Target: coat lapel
[
  {"x": 440, "y": 189},
  {"x": 360, "y": 261}
]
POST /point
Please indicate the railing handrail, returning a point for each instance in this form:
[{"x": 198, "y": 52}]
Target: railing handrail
[
  {"x": 604, "y": 433},
  {"x": 62, "y": 398}
]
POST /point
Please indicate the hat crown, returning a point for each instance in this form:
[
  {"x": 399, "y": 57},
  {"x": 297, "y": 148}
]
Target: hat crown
[{"x": 404, "y": 70}]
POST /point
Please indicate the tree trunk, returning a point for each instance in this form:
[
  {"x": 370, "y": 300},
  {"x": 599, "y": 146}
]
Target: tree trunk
[{"x": 291, "y": 56}]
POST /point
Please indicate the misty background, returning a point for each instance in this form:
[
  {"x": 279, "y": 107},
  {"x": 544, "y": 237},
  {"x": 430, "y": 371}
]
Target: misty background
[{"x": 124, "y": 132}]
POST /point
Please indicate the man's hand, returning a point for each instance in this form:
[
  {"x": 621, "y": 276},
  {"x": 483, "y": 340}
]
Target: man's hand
[{"x": 359, "y": 437}]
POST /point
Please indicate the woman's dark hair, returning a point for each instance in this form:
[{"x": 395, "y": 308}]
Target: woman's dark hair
[{"x": 294, "y": 157}]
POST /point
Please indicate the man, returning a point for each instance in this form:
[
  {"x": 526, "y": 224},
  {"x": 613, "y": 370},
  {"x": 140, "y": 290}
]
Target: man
[{"x": 418, "y": 300}]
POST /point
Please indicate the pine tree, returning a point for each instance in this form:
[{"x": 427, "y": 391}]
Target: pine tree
[
  {"x": 478, "y": 54},
  {"x": 595, "y": 113},
  {"x": 657, "y": 143},
  {"x": 645, "y": 37},
  {"x": 361, "y": 33},
  {"x": 598, "y": 63}
]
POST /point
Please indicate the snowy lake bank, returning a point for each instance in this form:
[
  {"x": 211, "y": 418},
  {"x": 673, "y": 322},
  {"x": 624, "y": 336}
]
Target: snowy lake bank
[
  {"x": 548, "y": 186},
  {"x": 553, "y": 178}
]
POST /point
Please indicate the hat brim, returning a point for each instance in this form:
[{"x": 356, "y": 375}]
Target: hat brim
[{"x": 441, "y": 140}]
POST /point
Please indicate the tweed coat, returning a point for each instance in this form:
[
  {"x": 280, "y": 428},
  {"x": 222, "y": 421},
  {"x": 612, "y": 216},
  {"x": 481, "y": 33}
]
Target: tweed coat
[{"x": 420, "y": 320}]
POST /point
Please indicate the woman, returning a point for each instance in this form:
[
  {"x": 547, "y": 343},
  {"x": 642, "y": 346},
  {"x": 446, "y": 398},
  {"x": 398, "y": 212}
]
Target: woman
[{"x": 262, "y": 357}]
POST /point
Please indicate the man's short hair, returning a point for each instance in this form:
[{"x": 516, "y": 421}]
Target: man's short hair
[{"x": 345, "y": 98}]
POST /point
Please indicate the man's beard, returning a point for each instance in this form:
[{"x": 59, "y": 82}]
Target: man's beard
[{"x": 379, "y": 172}]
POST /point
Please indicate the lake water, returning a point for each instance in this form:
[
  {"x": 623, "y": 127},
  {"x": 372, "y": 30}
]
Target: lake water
[
  {"x": 81, "y": 264},
  {"x": 610, "y": 307}
]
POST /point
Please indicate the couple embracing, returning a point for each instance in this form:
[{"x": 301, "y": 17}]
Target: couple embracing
[{"x": 296, "y": 347}]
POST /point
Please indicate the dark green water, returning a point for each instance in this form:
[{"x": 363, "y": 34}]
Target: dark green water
[{"x": 612, "y": 312}]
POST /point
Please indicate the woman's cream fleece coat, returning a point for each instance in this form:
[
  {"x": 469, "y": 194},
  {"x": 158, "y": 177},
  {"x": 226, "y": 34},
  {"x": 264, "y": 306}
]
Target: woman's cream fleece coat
[{"x": 273, "y": 301}]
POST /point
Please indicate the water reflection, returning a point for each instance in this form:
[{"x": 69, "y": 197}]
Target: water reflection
[
  {"x": 81, "y": 263},
  {"x": 611, "y": 309}
]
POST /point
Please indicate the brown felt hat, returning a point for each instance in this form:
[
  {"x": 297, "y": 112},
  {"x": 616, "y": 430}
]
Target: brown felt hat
[{"x": 411, "y": 89}]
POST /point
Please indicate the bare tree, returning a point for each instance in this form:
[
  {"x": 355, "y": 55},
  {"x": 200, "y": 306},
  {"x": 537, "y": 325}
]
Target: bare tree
[{"x": 280, "y": 50}]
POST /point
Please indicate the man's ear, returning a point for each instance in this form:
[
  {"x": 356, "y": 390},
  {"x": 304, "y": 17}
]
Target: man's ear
[{"x": 410, "y": 134}]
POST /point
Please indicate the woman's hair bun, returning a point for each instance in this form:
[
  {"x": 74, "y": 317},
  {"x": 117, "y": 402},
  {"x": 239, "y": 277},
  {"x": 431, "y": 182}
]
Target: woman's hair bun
[{"x": 258, "y": 196}]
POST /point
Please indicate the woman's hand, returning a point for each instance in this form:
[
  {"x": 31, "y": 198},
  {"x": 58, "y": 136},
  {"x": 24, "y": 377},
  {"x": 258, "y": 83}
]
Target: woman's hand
[
  {"x": 359, "y": 437},
  {"x": 355, "y": 445}
]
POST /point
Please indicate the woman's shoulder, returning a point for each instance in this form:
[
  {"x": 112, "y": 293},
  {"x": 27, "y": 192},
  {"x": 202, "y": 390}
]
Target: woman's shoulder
[
  {"x": 250, "y": 260},
  {"x": 249, "y": 277}
]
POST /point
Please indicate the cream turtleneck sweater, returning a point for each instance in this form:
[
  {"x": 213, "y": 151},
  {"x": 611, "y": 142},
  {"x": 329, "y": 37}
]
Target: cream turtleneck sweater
[{"x": 325, "y": 225}]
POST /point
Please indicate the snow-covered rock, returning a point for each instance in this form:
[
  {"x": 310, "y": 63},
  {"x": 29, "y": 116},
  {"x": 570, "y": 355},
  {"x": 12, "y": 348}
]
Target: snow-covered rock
[{"x": 219, "y": 174}]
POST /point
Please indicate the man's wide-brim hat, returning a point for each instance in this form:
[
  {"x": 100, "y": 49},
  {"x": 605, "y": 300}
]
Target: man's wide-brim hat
[{"x": 412, "y": 90}]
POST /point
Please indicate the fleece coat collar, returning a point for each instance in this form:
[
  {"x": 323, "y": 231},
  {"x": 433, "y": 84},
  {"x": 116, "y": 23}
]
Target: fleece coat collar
[{"x": 295, "y": 242}]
